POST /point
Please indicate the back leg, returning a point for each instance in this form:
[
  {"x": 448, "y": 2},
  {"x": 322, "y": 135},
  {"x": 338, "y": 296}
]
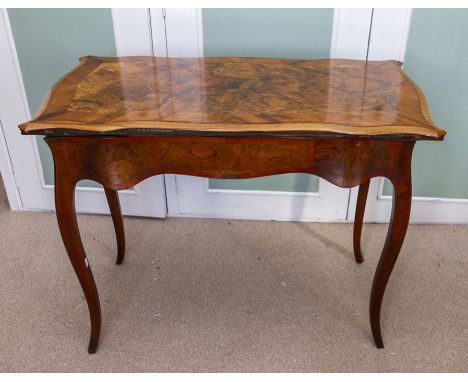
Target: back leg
[
  {"x": 116, "y": 212},
  {"x": 359, "y": 217}
]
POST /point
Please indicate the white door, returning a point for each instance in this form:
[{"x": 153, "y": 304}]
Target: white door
[
  {"x": 25, "y": 162},
  {"x": 339, "y": 33}
]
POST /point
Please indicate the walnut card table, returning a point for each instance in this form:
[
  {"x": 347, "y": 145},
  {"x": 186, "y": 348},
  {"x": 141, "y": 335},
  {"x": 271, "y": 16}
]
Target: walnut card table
[{"x": 119, "y": 121}]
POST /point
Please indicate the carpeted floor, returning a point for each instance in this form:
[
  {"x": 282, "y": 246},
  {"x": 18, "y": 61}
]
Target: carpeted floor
[{"x": 219, "y": 295}]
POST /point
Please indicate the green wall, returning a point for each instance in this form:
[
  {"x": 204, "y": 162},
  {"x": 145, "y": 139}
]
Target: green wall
[
  {"x": 437, "y": 59},
  {"x": 287, "y": 33},
  {"x": 49, "y": 43}
]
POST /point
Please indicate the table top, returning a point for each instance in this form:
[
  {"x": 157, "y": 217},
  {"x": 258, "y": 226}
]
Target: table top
[{"x": 235, "y": 96}]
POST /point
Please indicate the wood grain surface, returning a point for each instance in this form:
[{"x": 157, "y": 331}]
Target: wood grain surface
[{"x": 236, "y": 96}]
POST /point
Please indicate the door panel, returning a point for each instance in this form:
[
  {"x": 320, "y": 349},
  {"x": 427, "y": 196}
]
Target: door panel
[
  {"x": 286, "y": 33},
  {"x": 283, "y": 182}
]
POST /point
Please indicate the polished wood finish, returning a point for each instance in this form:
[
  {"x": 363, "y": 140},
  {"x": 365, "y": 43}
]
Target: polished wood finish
[
  {"x": 119, "y": 163},
  {"x": 120, "y": 121},
  {"x": 148, "y": 95}
]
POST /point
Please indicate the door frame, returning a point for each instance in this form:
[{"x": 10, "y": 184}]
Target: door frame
[{"x": 20, "y": 162}]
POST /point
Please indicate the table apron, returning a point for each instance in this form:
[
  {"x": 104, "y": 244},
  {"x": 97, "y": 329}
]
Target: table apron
[{"x": 121, "y": 162}]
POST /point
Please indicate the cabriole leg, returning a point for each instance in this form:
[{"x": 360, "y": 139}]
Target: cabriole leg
[
  {"x": 65, "y": 181},
  {"x": 65, "y": 206},
  {"x": 401, "y": 208}
]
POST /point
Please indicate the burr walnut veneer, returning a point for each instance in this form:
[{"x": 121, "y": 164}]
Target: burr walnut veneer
[{"x": 120, "y": 120}]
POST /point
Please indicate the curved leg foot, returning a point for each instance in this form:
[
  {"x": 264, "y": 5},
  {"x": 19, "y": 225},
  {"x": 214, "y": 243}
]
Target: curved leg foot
[
  {"x": 358, "y": 219},
  {"x": 65, "y": 206},
  {"x": 395, "y": 236},
  {"x": 114, "y": 205}
]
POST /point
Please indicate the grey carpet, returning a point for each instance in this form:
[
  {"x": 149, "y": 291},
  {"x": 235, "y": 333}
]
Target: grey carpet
[{"x": 219, "y": 295}]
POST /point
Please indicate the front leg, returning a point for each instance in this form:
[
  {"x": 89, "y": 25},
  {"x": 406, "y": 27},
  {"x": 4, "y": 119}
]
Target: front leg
[
  {"x": 65, "y": 181},
  {"x": 401, "y": 181},
  {"x": 66, "y": 216}
]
